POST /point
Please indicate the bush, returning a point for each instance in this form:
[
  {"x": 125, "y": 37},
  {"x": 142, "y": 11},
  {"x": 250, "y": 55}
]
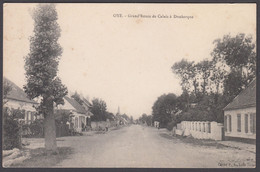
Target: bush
[
  {"x": 36, "y": 128},
  {"x": 170, "y": 125},
  {"x": 11, "y": 132}
]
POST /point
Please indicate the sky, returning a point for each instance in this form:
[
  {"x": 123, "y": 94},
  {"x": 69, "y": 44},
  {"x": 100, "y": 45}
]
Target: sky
[{"x": 125, "y": 61}]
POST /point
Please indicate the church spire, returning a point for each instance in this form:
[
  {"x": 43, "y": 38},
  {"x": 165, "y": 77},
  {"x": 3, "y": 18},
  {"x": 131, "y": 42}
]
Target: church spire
[{"x": 118, "y": 110}]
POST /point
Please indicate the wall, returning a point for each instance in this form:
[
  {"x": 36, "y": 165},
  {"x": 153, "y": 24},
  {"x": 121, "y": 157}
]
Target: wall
[
  {"x": 234, "y": 132},
  {"x": 201, "y": 129},
  {"x": 103, "y": 124},
  {"x": 96, "y": 124}
]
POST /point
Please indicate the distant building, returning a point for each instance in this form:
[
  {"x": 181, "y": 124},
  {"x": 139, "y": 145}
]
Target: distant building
[
  {"x": 156, "y": 124},
  {"x": 87, "y": 105},
  {"x": 240, "y": 115},
  {"x": 79, "y": 113},
  {"x": 17, "y": 99}
]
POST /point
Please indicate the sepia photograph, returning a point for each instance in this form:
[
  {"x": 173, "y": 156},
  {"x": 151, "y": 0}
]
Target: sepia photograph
[{"x": 129, "y": 85}]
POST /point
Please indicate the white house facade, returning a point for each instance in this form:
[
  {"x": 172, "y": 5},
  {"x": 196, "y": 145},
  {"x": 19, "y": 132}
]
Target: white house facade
[
  {"x": 240, "y": 115},
  {"x": 17, "y": 99},
  {"x": 80, "y": 115}
]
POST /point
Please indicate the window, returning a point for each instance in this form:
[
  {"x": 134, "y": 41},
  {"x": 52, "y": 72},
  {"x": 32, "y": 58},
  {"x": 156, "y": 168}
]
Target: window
[
  {"x": 252, "y": 122},
  {"x": 27, "y": 117},
  {"x": 246, "y": 123},
  {"x": 229, "y": 123},
  {"x": 32, "y": 117},
  {"x": 238, "y": 122},
  {"x": 225, "y": 123},
  {"x": 76, "y": 122}
]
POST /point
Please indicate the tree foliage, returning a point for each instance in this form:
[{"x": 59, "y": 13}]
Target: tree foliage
[
  {"x": 164, "y": 107},
  {"x": 12, "y": 128},
  {"x": 185, "y": 70},
  {"x": 146, "y": 119},
  {"x": 110, "y": 116},
  {"x": 99, "y": 110},
  {"x": 238, "y": 53},
  {"x": 212, "y": 84}
]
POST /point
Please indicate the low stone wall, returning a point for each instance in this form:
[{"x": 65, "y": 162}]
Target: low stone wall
[
  {"x": 201, "y": 129},
  {"x": 179, "y": 132},
  {"x": 103, "y": 124},
  {"x": 99, "y": 124}
]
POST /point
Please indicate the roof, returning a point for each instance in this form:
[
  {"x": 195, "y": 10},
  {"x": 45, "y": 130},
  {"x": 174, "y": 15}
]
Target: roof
[
  {"x": 89, "y": 113},
  {"x": 86, "y": 102},
  {"x": 17, "y": 93},
  {"x": 76, "y": 105},
  {"x": 246, "y": 98}
]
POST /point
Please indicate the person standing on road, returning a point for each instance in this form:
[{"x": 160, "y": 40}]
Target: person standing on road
[{"x": 107, "y": 126}]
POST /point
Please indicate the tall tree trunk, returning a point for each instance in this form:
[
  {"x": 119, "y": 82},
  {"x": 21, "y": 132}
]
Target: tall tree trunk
[
  {"x": 204, "y": 86},
  {"x": 50, "y": 129}
]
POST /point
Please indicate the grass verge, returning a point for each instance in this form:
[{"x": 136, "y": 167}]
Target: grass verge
[
  {"x": 194, "y": 141},
  {"x": 39, "y": 158}
]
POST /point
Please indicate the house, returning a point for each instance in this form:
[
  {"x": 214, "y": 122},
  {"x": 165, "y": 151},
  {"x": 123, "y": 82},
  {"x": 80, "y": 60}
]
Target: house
[
  {"x": 156, "y": 124},
  {"x": 79, "y": 113},
  {"x": 240, "y": 115},
  {"x": 87, "y": 105},
  {"x": 17, "y": 99}
]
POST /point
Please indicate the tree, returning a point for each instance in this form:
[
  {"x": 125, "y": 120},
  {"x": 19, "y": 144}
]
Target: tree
[
  {"x": 41, "y": 65},
  {"x": 204, "y": 70},
  {"x": 110, "y": 116},
  {"x": 143, "y": 118},
  {"x": 184, "y": 70},
  {"x": 99, "y": 110},
  {"x": 131, "y": 119},
  {"x": 238, "y": 53},
  {"x": 164, "y": 107},
  {"x": 188, "y": 73},
  {"x": 146, "y": 119}
]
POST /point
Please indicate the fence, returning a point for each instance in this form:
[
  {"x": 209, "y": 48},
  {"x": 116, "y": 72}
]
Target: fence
[{"x": 201, "y": 129}]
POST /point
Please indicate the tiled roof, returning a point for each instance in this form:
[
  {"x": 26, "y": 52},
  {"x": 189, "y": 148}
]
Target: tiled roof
[
  {"x": 87, "y": 102},
  {"x": 247, "y": 98},
  {"x": 17, "y": 93},
  {"x": 76, "y": 105}
]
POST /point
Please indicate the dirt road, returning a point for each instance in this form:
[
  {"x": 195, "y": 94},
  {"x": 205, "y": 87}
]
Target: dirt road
[{"x": 138, "y": 146}]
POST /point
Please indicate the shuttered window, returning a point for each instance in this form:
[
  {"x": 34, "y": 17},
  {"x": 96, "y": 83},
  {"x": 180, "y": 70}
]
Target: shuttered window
[
  {"x": 225, "y": 123},
  {"x": 238, "y": 122},
  {"x": 229, "y": 123},
  {"x": 32, "y": 117},
  {"x": 252, "y": 122},
  {"x": 76, "y": 122},
  {"x": 27, "y": 117},
  {"x": 246, "y": 123}
]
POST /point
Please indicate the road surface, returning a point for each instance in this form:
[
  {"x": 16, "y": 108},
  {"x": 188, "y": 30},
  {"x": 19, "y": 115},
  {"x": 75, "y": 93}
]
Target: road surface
[{"x": 138, "y": 146}]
